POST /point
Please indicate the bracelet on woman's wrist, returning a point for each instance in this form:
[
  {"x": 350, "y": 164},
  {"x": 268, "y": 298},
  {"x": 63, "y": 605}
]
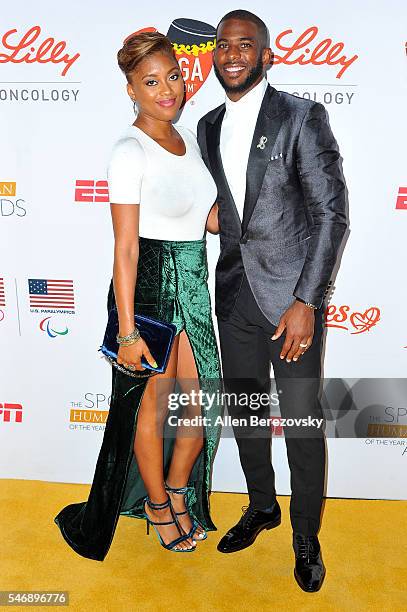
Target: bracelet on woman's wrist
[
  {"x": 130, "y": 342},
  {"x": 129, "y": 339}
]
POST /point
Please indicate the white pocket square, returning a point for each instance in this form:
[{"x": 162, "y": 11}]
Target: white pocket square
[{"x": 274, "y": 157}]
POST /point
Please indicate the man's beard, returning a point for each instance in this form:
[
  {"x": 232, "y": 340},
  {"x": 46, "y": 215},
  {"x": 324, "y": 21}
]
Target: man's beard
[{"x": 252, "y": 77}]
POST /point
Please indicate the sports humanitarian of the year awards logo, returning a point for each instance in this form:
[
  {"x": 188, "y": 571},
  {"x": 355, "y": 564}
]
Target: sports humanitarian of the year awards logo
[
  {"x": 11, "y": 205},
  {"x": 89, "y": 413}
]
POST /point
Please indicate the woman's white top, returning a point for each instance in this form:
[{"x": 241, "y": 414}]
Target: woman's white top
[{"x": 175, "y": 192}]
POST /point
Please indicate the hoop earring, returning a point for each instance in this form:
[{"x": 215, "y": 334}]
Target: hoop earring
[{"x": 134, "y": 106}]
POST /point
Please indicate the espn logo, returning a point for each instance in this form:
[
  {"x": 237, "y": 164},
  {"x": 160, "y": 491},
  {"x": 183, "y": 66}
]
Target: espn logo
[
  {"x": 91, "y": 191},
  {"x": 11, "y": 412},
  {"x": 401, "y": 202}
]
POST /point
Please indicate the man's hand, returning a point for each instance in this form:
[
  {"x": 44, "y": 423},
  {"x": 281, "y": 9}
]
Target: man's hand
[{"x": 298, "y": 321}]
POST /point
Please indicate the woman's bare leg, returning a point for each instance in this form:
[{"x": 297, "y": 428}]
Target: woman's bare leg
[
  {"x": 148, "y": 445},
  {"x": 189, "y": 440}
]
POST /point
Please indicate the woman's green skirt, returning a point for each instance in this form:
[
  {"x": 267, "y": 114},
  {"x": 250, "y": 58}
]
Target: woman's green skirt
[{"x": 172, "y": 286}]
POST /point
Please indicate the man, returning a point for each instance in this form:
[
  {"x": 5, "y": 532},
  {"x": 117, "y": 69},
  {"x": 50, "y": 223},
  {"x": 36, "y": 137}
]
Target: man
[{"x": 281, "y": 196}]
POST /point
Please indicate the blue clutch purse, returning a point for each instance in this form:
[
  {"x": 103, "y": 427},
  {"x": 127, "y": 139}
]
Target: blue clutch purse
[{"x": 158, "y": 335}]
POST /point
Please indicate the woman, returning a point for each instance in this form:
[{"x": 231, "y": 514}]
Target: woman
[{"x": 162, "y": 200}]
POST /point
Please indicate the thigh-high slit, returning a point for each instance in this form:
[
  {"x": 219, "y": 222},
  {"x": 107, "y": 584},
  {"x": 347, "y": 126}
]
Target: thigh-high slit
[{"x": 172, "y": 286}]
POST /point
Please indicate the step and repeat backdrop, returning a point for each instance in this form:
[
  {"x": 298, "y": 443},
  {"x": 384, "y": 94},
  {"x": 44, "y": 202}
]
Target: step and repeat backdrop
[{"x": 63, "y": 103}]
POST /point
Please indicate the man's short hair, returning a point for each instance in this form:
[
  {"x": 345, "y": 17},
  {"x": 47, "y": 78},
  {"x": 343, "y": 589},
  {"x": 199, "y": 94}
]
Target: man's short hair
[{"x": 244, "y": 15}]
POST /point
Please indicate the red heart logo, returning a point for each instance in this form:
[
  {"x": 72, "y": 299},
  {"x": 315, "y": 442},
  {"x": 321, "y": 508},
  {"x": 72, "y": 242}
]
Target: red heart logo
[{"x": 366, "y": 320}]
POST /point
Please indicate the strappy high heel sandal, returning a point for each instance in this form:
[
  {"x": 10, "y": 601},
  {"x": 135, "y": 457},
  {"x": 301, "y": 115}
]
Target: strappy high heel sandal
[
  {"x": 171, "y": 545},
  {"x": 183, "y": 491}
]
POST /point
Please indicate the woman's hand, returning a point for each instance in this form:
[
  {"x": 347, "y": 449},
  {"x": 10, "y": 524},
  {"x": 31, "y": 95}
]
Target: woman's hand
[
  {"x": 212, "y": 223},
  {"x": 131, "y": 355}
]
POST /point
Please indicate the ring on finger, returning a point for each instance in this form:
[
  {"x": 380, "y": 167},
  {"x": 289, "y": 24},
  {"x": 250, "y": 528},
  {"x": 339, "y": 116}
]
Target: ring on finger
[{"x": 304, "y": 345}]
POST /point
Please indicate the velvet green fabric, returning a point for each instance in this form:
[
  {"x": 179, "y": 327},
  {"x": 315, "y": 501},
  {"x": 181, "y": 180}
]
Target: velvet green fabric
[{"x": 172, "y": 286}]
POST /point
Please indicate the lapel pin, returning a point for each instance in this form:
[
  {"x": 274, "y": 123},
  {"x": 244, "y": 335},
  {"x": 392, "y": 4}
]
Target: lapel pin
[{"x": 262, "y": 142}]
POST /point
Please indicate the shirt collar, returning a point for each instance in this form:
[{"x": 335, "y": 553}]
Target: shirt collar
[{"x": 252, "y": 100}]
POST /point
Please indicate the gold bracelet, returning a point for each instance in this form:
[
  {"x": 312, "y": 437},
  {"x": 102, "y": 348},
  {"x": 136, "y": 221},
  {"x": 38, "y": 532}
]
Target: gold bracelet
[
  {"x": 130, "y": 342},
  {"x": 135, "y": 335}
]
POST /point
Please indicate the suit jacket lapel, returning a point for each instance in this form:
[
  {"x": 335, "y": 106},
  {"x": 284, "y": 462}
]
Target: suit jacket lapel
[
  {"x": 215, "y": 161},
  {"x": 268, "y": 125}
]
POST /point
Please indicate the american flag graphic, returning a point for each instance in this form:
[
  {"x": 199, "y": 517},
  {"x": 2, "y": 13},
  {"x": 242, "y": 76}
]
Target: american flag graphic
[
  {"x": 2, "y": 294},
  {"x": 52, "y": 293}
]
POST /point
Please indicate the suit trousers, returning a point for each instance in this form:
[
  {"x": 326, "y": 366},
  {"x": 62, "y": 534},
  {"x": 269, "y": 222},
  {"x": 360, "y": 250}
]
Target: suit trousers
[{"x": 247, "y": 351}]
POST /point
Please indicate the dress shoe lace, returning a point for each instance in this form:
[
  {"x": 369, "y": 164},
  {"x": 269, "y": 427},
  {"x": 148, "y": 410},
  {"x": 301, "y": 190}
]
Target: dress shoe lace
[
  {"x": 306, "y": 548},
  {"x": 248, "y": 516}
]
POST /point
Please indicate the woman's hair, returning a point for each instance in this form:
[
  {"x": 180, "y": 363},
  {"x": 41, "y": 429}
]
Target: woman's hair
[{"x": 138, "y": 46}]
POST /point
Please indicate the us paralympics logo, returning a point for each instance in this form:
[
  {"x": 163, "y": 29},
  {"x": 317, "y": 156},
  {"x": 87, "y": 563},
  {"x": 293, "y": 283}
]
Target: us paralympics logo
[{"x": 47, "y": 327}]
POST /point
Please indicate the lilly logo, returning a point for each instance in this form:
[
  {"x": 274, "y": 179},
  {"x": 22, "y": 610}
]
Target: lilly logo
[
  {"x": 52, "y": 333},
  {"x": 29, "y": 48}
]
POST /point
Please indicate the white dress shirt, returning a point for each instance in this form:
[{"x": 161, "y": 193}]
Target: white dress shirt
[{"x": 236, "y": 138}]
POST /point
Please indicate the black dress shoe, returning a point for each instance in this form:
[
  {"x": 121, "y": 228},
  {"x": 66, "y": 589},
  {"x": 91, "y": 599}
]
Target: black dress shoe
[
  {"x": 248, "y": 528},
  {"x": 309, "y": 569}
]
